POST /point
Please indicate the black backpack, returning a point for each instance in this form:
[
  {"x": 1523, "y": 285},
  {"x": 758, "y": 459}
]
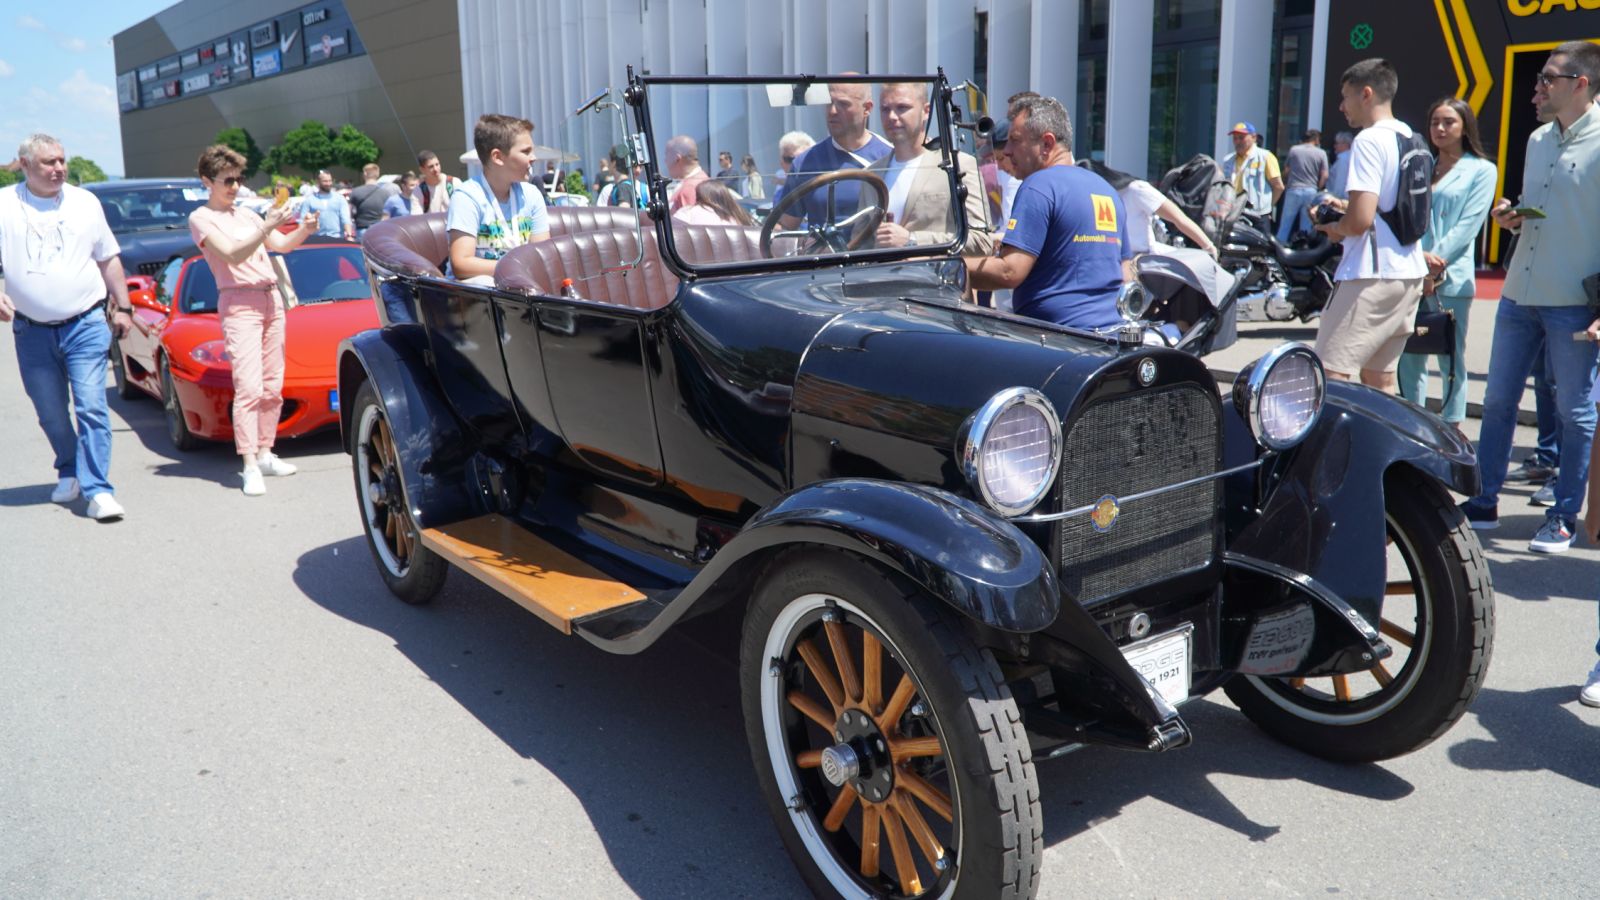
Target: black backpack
[{"x": 1414, "y": 197}]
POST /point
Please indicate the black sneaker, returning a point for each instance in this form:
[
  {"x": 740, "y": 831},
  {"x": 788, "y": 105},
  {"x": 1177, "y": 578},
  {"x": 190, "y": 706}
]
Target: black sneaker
[
  {"x": 1531, "y": 470},
  {"x": 1483, "y": 518}
]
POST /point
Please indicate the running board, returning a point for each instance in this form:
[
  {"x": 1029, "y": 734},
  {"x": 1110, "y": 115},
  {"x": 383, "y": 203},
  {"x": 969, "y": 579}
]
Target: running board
[{"x": 548, "y": 582}]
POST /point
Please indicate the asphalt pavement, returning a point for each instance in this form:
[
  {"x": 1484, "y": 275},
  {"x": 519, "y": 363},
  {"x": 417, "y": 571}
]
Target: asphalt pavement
[{"x": 218, "y": 698}]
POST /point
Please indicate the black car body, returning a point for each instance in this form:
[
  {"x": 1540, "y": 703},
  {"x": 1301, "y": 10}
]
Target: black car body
[
  {"x": 1053, "y": 537},
  {"x": 150, "y": 218}
]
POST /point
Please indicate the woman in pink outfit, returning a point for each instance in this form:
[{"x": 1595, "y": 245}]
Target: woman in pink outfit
[{"x": 235, "y": 242}]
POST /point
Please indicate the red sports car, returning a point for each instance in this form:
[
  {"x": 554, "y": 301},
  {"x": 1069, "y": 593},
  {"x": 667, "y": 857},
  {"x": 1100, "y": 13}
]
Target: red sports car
[{"x": 175, "y": 351}]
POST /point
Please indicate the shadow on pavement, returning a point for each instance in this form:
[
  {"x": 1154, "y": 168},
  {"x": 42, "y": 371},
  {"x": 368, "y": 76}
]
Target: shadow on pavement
[
  {"x": 27, "y": 495},
  {"x": 1092, "y": 785},
  {"x": 1538, "y": 730},
  {"x": 652, "y": 745},
  {"x": 213, "y": 461}
]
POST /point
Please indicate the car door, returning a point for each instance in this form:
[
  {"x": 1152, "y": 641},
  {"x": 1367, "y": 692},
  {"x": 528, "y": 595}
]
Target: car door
[
  {"x": 583, "y": 370},
  {"x": 142, "y": 342}
]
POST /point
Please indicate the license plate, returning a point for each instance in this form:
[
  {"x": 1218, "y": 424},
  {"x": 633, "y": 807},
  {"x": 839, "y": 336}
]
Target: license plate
[
  {"x": 1164, "y": 662},
  {"x": 333, "y": 400}
]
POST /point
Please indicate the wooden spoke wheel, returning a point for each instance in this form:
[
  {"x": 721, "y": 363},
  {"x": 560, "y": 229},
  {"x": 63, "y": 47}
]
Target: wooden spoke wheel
[
  {"x": 876, "y": 725},
  {"x": 412, "y": 572},
  {"x": 841, "y": 229},
  {"x": 1438, "y": 617}
]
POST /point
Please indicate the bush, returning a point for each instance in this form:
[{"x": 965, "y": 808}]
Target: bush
[
  {"x": 241, "y": 141},
  {"x": 353, "y": 149},
  {"x": 574, "y": 184},
  {"x": 308, "y": 147},
  {"x": 82, "y": 170}
]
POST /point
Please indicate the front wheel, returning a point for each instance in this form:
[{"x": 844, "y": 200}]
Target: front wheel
[
  {"x": 888, "y": 746},
  {"x": 1438, "y": 615},
  {"x": 177, "y": 426},
  {"x": 411, "y": 571},
  {"x": 119, "y": 372}
]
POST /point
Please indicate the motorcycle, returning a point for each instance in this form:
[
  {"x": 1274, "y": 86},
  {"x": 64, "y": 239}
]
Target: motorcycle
[{"x": 1280, "y": 282}]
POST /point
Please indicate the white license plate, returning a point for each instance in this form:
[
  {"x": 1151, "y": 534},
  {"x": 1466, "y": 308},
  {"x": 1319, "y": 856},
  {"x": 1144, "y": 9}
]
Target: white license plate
[
  {"x": 333, "y": 400},
  {"x": 1164, "y": 662}
]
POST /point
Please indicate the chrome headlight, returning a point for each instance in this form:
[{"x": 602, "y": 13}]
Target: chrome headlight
[
  {"x": 1010, "y": 450},
  {"x": 1280, "y": 395}
]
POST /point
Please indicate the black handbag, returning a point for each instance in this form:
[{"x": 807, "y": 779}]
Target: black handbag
[{"x": 1435, "y": 331}]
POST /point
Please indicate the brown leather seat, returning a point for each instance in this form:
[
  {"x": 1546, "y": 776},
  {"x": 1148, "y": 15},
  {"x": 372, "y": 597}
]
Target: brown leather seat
[
  {"x": 420, "y": 245},
  {"x": 540, "y": 268}
]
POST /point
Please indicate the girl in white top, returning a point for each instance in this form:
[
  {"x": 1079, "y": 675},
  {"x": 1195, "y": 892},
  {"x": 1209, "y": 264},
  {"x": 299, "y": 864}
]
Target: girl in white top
[{"x": 1145, "y": 204}]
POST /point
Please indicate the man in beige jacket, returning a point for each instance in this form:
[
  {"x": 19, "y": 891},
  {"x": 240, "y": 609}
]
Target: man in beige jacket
[{"x": 919, "y": 209}]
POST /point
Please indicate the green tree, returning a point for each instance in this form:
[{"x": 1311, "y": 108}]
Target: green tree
[
  {"x": 272, "y": 161},
  {"x": 353, "y": 149},
  {"x": 9, "y": 176},
  {"x": 245, "y": 144},
  {"x": 82, "y": 170},
  {"x": 308, "y": 147},
  {"x": 574, "y": 184}
]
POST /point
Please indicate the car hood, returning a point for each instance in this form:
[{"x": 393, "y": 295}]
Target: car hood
[
  {"x": 139, "y": 247},
  {"x": 312, "y": 333}
]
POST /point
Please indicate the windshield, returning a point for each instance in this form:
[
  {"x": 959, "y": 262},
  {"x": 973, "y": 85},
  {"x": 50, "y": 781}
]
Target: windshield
[
  {"x": 134, "y": 209},
  {"x": 791, "y": 169},
  {"x": 319, "y": 274}
]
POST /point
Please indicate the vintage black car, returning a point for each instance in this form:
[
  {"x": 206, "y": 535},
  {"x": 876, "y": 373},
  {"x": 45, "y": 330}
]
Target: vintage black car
[
  {"x": 150, "y": 217},
  {"x": 960, "y": 541}
]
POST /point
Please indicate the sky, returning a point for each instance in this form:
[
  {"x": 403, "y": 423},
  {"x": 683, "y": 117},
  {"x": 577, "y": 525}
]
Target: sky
[{"x": 57, "y": 75}]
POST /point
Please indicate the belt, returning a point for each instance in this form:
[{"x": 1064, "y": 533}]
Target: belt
[{"x": 99, "y": 306}]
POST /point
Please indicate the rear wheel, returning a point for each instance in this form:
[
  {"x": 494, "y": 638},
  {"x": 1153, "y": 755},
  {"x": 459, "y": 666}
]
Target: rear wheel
[
  {"x": 177, "y": 426},
  {"x": 1438, "y": 615},
  {"x": 890, "y": 750},
  {"x": 412, "y": 572}
]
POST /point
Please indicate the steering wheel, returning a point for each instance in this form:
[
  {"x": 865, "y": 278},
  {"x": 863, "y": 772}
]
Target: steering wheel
[{"x": 831, "y": 236}]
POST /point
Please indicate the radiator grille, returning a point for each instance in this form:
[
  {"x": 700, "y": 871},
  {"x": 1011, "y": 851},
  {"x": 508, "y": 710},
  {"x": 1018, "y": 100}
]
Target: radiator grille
[{"x": 1121, "y": 447}]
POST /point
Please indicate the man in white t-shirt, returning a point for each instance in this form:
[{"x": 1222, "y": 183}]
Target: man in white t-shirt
[
  {"x": 61, "y": 264},
  {"x": 1373, "y": 310}
]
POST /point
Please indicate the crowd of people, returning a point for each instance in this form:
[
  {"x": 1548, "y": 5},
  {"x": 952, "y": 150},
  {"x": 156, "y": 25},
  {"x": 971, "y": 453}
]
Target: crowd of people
[{"x": 1057, "y": 232}]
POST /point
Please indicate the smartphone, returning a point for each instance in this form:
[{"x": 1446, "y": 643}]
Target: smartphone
[
  {"x": 280, "y": 195},
  {"x": 1528, "y": 212}
]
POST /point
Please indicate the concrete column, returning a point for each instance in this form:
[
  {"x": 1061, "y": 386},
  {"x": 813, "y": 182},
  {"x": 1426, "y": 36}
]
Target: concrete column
[
  {"x": 1010, "y": 22},
  {"x": 950, "y": 40},
  {"x": 1243, "y": 67},
  {"x": 1132, "y": 35},
  {"x": 1319, "y": 65},
  {"x": 764, "y": 50},
  {"x": 905, "y": 37},
  {"x": 846, "y": 40},
  {"x": 726, "y": 36},
  {"x": 1053, "y": 52}
]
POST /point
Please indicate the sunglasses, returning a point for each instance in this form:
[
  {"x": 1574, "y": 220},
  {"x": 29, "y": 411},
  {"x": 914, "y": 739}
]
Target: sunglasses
[
  {"x": 1545, "y": 79},
  {"x": 231, "y": 181},
  {"x": 788, "y": 159}
]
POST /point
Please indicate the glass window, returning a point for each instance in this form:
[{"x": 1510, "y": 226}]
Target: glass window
[
  {"x": 1183, "y": 103},
  {"x": 1089, "y": 120},
  {"x": 1286, "y": 116},
  {"x": 1096, "y": 20},
  {"x": 1180, "y": 14}
]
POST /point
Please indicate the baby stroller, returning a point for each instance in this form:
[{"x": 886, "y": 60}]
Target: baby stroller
[
  {"x": 1191, "y": 300},
  {"x": 1205, "y": 195}
]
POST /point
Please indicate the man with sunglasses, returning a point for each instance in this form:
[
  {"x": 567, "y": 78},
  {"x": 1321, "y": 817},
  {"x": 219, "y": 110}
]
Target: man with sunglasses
[
  {"x": 1543, "y": 301},
  {"x": 61, "y": 265}
]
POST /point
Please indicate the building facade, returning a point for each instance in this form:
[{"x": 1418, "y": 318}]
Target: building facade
[{"x": 392, "y": 69}]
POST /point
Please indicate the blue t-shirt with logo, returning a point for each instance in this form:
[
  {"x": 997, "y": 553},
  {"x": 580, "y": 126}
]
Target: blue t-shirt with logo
[
  {"x": 1074, "y": 224},
  {"x": 828, "y": 157}
]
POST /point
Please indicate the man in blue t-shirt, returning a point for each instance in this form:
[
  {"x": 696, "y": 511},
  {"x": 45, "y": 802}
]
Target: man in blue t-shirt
[
  {"x": 1064, "y": 251},
  {"x": 851, "y": 146}
]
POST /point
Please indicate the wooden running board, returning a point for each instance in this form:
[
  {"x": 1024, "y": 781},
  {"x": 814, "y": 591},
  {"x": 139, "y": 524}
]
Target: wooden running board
[{"x": 550, "y": 583}]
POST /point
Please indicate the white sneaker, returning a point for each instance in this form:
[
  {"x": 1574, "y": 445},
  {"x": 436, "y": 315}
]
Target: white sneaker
[
  {"x": 272, "y": 465},
  {"x": 253, "y": 485},
  {"x": 1590, "y": 695},
  {"x": 66, "y": 491},
  {"x": 105, "y": 508}
]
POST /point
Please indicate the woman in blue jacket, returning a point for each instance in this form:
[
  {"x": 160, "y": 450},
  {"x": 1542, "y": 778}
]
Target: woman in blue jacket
[{"x": 1463, "y": 189}]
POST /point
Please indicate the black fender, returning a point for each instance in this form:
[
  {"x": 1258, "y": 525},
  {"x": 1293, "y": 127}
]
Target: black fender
[
  {"x": 968, "y": 557},
  {"x": 436, "y": 458},
  {"x": 1317, "y": 509}
]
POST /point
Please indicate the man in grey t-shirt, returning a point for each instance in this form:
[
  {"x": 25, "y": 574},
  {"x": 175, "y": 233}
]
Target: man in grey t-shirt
[{"x": 1306, "y": 173}]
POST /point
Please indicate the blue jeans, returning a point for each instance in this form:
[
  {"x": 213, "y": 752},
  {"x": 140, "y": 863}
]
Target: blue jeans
[
  {"x": 1547, "y": 450},
  {"x": 1295, "y": 203},
  {"x": 1518, "y": 334},
  {"x": 54, "y": 360},
  {"x": 1413, "y": 371}
]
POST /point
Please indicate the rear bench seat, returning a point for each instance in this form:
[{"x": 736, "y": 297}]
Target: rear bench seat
[
  {"x": 584, "y": 257},
  {"x": 420, "y": 245}
]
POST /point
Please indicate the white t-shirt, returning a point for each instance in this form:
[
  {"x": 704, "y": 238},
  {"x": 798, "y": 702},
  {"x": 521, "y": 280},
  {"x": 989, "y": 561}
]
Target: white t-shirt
[
  {"x": 899, "y": 176},
  {"x": 51, "y": 247},
  {"x": 1375, "y": 169},
  {"x": 1141, "y": 200},
  {"x": 1008, "y": 193}
]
